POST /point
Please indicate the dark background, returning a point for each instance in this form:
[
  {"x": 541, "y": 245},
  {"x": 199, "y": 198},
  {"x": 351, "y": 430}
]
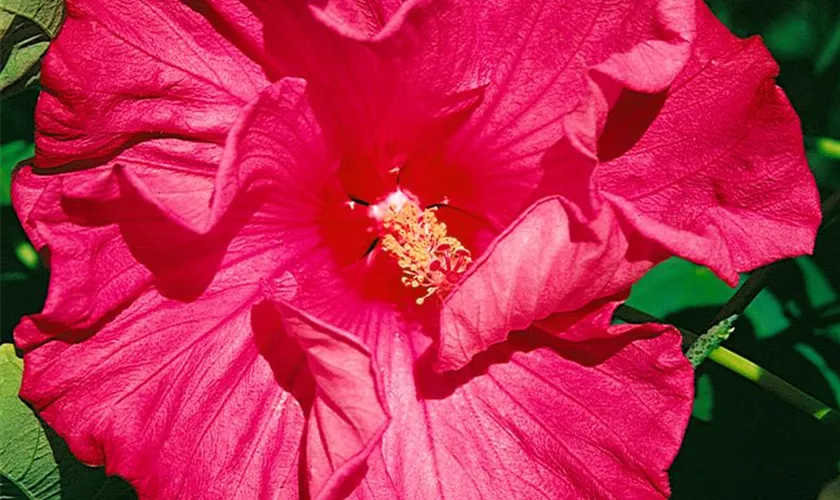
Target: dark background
[{"x": 742, "y": 442}]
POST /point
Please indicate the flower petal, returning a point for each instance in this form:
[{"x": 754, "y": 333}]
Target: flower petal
[
  {"x": 92, "y": 269},
  {"x": 277, "y": 151},
  {"x": 549, "y": 260},
  {"x": 535, "y": 417},
  {"x": 587, "y": 323},
  {"x": 719, "y": 177},
  {"x": 276, "y": 141},
  {"x": 161, "y": 373},
  {"x": 362, "y": 20},
  {"x": 180, "y": 399},
  {"x": 277, "y": 148},
  {"x": 93, "y": 229},
  {"x": 348, "y": 415},
  {"x": 558, "y": 67},
  {"x": 115, "y": 292},
  {"x": 153, "y": 86},
  {"x": 382, "y": 99}
]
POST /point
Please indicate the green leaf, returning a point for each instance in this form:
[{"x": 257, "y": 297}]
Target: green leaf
[
  {"x": 676, "y": 285},
  {"x": 831, "y": 490},
  {"x": 830, "y": 50},
  {"x": 25, "y": 455},
  {"x": 11, "y": 154},
  {"x": 820, "y": 363},
  {"x": 793, "y": 35},
  {"x": 47, "y": 14},
  {"x": 34, "y": 463},
  {"x": 26, "y": 28}
]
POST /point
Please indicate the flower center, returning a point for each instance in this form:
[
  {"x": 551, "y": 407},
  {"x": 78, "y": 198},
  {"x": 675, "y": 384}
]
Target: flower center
[{"x": 430, "y": 259}]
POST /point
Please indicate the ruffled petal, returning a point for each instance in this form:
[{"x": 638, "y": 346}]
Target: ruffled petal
[
  {"x": 535, "y": 417},
  {"x": 381, "y": 99},
  {"x": 587, "y": 323},
  {"x": 222, "y": 347},
  {"x": 277, "y": 152},
  {"x": 558, "y": 67},
  {"x": 348, "y": 414},
  {"x": 160, "y": 87},
  {"x": 92, "y": 268},
  {"x": 183, "y": 400},
  {"x": 278, "y": 148},
  {"x": 185, "y": 80},
  {"x": 92, "y": 228},
  {"x": 277, "y": 143},
  {"x": 549, "y": 260},
  {"x": 719, "y": 176}
]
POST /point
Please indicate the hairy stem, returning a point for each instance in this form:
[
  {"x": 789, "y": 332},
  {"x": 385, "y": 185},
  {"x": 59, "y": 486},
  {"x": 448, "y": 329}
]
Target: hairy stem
[{"x": 703, "y": 347}]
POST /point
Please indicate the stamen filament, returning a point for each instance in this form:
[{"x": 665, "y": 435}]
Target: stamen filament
[{"x": 428, "y": 256}]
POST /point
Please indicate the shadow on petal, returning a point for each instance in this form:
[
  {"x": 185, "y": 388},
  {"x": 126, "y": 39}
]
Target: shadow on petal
[
  {"x": 288, "y": 363},
  {"x": 627, "y": 122},
  {"x": 182, "y": 262},
  {"x": 283, "y": 354},
  {"x": 439, "y": 385}
]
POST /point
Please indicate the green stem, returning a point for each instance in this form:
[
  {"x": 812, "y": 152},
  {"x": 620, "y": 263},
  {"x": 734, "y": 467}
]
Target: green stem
[
  {"x": 748, "y": 370},
  {"x": 828, "y": 147},
  {"x": 776, "y": 385}
]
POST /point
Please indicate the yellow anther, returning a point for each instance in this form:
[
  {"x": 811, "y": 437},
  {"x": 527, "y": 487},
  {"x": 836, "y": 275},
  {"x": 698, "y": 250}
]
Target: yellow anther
[{"x": 429, "y": 258}]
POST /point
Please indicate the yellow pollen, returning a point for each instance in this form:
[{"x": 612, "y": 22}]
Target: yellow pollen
[{"x": 429, "y": 258}]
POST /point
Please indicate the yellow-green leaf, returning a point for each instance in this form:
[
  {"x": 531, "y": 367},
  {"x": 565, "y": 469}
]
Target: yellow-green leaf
[{"x": 26, "y": 28}]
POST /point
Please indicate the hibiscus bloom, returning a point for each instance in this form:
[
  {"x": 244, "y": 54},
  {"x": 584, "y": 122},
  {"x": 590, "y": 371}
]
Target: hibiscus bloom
[{"x": 372, "y": 249}]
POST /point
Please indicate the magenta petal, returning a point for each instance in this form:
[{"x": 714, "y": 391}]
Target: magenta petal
[
  {"x": 547, "y": 261},
  {"x": 348, "y": 415},
  {"x": 176, "y": 398},
  {"x": 558, "y": 66},
  {"x": 653, "y": 48},
  {"x": 276, "y": 143},
  {"x": 147, "y": 357},
  {"x": 641, "y": 46},
  {"x": 93, "y": 229},
  {"x": 587, "y": 323},
  {"x": 92, "y": 269},
  {"x": 720, "y": 176},
  {"x": 159, "y": 89},
  {"x": 175, "y": 176},
  {"x": 362, "y": 20},
  {"x": 383, "y": 99},
  {"x": 597, "y": 420},
  {"x": 276, "y": 153},
  {"x": 184, "y": 80}
]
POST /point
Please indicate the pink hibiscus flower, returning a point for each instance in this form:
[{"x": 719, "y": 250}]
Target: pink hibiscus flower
[{"x": 289, "y": 241}]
